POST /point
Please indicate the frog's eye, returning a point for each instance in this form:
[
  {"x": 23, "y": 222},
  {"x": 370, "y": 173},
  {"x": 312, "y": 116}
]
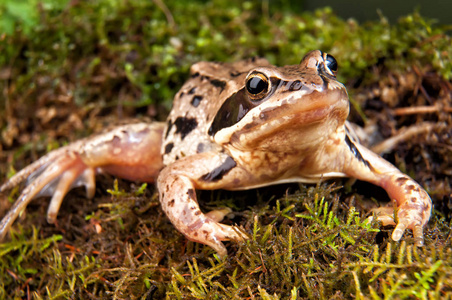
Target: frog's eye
[
  {"x": 257, "y": 86},
  {"x": 331, "y": 63}
]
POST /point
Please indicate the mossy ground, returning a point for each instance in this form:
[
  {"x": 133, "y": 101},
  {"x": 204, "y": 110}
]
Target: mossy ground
[{"x": 68, "y": 69}]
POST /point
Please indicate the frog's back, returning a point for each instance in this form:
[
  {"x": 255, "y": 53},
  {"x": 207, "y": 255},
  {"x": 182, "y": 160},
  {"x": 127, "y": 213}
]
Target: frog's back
[{"x": 197, "y": 103}]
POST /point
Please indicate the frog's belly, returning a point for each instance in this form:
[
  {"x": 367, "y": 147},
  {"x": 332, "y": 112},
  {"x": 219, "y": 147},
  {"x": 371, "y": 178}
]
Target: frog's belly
[{"x": 307, "y": 179}]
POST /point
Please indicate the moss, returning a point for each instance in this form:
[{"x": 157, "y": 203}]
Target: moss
[{"x": 70, "y": 68}]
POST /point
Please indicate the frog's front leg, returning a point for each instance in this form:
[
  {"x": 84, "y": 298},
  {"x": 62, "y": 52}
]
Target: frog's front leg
[
  {"x": 130, "y": 151},
  {"x": 413, "y": 203},
  {"x": 177, "y": 183}
]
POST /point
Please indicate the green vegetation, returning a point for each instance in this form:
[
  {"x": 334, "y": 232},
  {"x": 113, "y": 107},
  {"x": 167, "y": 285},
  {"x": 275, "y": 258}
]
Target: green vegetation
[{"x": 70, "y": 68}]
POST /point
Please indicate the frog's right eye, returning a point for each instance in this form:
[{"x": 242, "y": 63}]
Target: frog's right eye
[
  {"x": 257, "y": 86},
  {"x": 331, "y": 63}
]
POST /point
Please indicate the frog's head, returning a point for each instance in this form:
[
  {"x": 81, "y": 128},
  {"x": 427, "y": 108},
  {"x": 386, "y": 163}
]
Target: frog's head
[{"x": 284, "y": 108}]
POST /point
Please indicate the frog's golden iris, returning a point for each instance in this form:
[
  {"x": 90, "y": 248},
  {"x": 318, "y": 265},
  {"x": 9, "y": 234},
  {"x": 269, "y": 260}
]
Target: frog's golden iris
[{"x": 232, "y": 126}]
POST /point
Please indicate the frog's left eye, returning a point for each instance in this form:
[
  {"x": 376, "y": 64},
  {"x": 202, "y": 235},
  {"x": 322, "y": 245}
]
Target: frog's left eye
[
  {"x": 331, "y": 63},
  {"x": 257, "y": 86}
]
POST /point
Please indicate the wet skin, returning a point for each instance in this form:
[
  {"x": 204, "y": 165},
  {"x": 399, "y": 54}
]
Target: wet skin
[{"x": 232, "y": 126}]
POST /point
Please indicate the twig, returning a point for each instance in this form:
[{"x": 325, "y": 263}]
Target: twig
[
  {"x": 420, "y": 110},
  {"x": 404, "y": 134}
]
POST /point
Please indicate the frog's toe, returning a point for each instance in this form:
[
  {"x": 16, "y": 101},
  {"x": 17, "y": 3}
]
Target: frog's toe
[
  {"x": 418, "y": 234},
  {"x": 398, "y": 231},
  {"x": 206, "y": 229},
  {"x": 76, "y": 175},
  {"x": 407, "y": 218},
  {"x": 412, "y": 214},
  {"x": 385, "y": 215},
  {"x": 212, "y": 233},
  {"x": 54, "y": 178},
  {"x": 218, "y": 214},
  {"x": 232, "y": 233}
]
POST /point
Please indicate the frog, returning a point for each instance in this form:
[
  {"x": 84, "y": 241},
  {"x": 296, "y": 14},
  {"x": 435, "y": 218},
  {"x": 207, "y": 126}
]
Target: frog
[{"x": 233, "y": 126}]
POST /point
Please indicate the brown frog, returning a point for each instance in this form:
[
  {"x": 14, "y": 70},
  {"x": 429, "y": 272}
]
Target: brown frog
[{"x": 232, "y": 126}]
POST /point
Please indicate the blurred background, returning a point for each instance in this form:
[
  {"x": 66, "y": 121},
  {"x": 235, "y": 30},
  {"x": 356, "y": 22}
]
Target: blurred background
[{"x": 391, "y": 9}]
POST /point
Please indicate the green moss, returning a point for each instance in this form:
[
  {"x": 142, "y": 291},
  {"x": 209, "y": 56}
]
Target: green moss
[
  {"x": 141, "y": 48},
  {"x": 321, "y": 252},
  {"x": 68, "y": 68}
]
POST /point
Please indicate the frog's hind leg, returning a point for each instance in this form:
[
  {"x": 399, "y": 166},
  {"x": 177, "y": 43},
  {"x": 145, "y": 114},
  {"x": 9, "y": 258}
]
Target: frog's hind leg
[{"x": 130, "y": 151}]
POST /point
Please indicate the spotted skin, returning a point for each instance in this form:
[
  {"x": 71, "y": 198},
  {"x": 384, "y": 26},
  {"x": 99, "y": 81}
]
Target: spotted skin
[{"x": 232, "y": 126}]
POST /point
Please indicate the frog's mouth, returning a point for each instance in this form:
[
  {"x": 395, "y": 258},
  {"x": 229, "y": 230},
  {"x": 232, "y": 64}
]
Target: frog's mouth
[{"x": 308, "y": 117}]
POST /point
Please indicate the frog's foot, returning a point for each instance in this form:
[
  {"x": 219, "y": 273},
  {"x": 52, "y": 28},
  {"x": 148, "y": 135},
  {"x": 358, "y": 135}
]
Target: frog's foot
[
  {"x": 413, "y": 203},
  {"x": 409, "y": 216},
  {"x": 211, "y": 233},
  {"x": 179, "y": 202},
  {"x": 55, "y": 174}
]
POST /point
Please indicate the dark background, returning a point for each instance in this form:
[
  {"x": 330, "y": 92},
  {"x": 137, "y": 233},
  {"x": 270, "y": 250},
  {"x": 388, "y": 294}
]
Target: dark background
[{"x": 391, "y": 9}]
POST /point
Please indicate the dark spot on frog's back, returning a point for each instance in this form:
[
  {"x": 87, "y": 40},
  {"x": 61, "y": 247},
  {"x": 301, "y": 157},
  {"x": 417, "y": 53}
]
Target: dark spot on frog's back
[
  {"x": 168, "y": 128},
  {"x": 169, "y": 147},
  {"x": 185, "y": 125},
  {"x": 196, "y": 100},
  {"x": 218, "y": 173},
  {"x": 236, "y": 74},
  {"x": 218, "y": 83}
]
